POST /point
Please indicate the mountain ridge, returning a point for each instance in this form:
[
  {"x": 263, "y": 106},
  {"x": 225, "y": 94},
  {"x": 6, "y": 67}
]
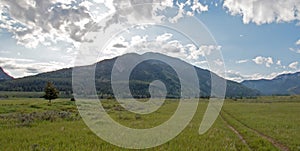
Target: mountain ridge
[
  {"x": 285, "y": 84},
  {"x": 4, "y": 75},
  {"x": 142, "y": 75}
]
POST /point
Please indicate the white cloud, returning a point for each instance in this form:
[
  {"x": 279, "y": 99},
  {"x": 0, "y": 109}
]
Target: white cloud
[
  {"x": 198, "y": 7},
  {"x": 264, "y": 11},
  {"x": 126, "y": 11},
  {"x": 242, "y": 61},
  {"x": 202, "y": 51},
  {"x": 294, "y": 65},
  {"x": 234, "y": 76},
  {"x": 298, "y": 42},
  {"x": 188, "y": 8},
  {"x": 279, "y": 62},
  {"x": 4, "y": 52},
  {"x": 164, "y": 37},
  {"x": 275, "y": 74},
  {"x": 202, "y": 64},
  {"x": 35, "y": 22},
  {"x": 138, "y": 39},
  {"x": 26, "y": 67},
  {"x": 263, "y": 60},
  {"x": 295, "y": 50},
  {"x": 180, "y": 13},
  {"x": 219, "y": 62},
  {"x": 195, "y": 7},
  {"x": 163, "y": 44},
  {"x": 239, "y": 77}
]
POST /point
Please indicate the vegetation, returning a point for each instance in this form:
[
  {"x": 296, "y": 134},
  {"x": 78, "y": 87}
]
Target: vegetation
[
  {"x": 51, "y": 92},
  {"x": 264, "y": 123},
  {"x": 14, "y": 94}
]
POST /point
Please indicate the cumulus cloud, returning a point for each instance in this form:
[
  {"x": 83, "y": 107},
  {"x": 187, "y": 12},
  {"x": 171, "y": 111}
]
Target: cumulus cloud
[
  {"x": 234, "y": 76},
  {"x": 297, "y": 48},
  {"x": 163, "y": 44},
  {"x": 294, "y": 65},
  {"x": 264, "y": 11},
  {"x": 242, "y": 61},
  {"x": 26, "y": 67},
  {"x": 164, "y": 37},
  {"x": 202, "y": 64},
  {"x": 4, "y": 52},
  {"x": 202, "y": 51},
  {"x": 119, "y": 43},
  {"x": 298, "y": 42},
  {"x": 36, "y": 21},
  {"x": 138, "y": 39},
  {"x": 136, "y": 11},
  {"x": 263, "y": 60},
  {"x": 119, "y": 46},
  {"x": 279, "y": 63},
  {"x": 239, "y": 77}
]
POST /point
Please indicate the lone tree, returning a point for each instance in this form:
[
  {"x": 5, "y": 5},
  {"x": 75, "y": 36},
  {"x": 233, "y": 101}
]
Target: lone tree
[{"x": 51, "y": 92}]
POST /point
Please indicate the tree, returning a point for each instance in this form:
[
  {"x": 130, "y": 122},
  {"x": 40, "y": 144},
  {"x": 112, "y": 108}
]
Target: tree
[{"x": 51, "y": 92}]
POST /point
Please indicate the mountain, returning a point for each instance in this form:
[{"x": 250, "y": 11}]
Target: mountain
[
  {"x": 286, "y": 84},
  {"x": 4, "y": 75},
  {"x": 140, "y": 78}
]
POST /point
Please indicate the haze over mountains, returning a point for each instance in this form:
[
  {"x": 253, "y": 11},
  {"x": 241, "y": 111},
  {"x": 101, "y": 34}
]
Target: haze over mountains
[{"x": 286, "y": 84}]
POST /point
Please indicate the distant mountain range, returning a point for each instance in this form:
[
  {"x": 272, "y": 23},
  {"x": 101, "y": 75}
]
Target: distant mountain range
[
  {"x": 4, "y": 75},
  {"x": 286, "y": 84},
  {"x": 140, "y": 78}
]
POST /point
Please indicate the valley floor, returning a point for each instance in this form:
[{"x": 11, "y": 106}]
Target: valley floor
[{"x": 265, "y": 123}]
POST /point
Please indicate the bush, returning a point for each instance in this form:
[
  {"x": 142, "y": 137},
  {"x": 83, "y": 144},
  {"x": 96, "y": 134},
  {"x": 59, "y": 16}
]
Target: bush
[
  {"x": 25, "y": 119},
  {"x": 138, "y": 116},
  {"x": 64, "y": 114}
]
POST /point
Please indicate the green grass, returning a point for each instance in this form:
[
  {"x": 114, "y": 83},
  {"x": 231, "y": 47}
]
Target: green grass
[
  {"x": 278, "y": 120},
  {"x": 27, "y": 105},
  {"x": 11, "y": 94},
  {"x": 33, "y": 124}
]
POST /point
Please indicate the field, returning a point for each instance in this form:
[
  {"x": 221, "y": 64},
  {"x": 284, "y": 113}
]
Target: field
[{"x": 265, "y": 123}]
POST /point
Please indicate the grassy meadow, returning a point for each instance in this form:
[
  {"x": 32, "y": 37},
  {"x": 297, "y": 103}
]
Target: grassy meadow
[{"x": 265, "y": 123}]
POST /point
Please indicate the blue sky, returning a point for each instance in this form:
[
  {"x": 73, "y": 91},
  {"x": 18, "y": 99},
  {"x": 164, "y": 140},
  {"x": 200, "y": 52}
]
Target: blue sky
[
  {"x": 244, "y": 42},
  {"x": 257, "y": 39}
]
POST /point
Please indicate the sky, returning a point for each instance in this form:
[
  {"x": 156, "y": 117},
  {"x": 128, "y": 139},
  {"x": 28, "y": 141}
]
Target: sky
[{"x": 257, "y": 38}]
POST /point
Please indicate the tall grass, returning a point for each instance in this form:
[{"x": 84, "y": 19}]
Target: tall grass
[{"x": 59, "y": 127}]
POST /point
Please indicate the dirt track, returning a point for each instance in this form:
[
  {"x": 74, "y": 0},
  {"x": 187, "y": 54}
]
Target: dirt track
[{"x": 275, "y": 143}]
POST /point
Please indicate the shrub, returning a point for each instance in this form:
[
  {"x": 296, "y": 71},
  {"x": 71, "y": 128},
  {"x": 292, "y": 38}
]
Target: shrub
[{"x": 138, "y": 116}]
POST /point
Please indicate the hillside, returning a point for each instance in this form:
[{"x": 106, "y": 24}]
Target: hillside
[
  {"x": 286, "y": 84},
  {"x": 4, "y": 75},
  {"x": 141, "y": 77}
]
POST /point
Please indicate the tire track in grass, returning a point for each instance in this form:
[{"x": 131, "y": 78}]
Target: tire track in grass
[
  {"x": 236, "y": 132},
  {"x": 275, "y": 143}
]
